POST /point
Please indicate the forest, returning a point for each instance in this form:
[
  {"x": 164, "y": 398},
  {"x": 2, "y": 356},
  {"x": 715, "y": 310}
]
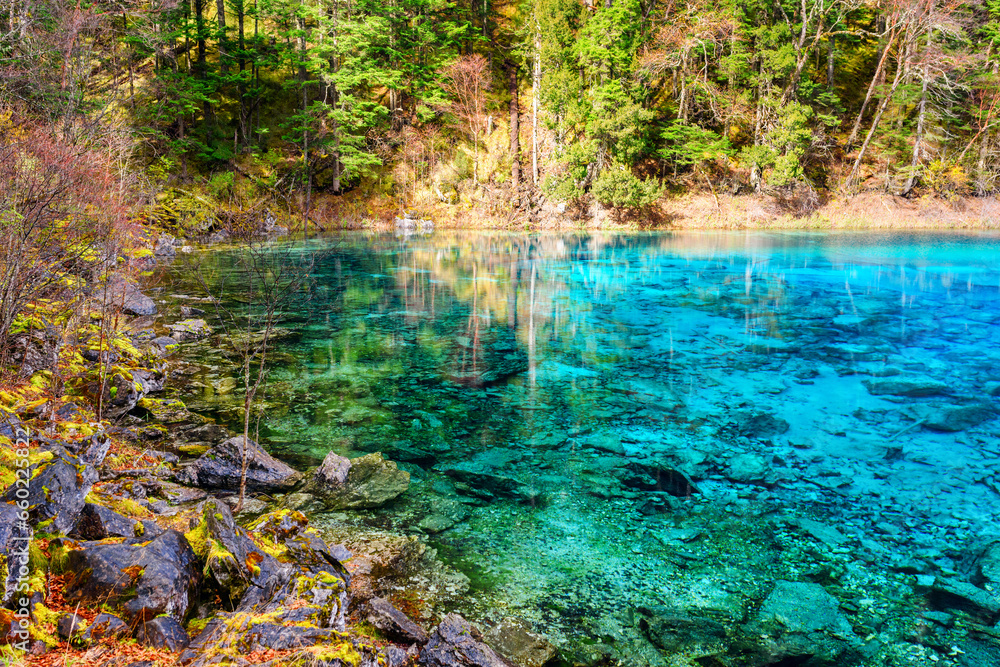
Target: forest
[{"x": 359, "y": 108}]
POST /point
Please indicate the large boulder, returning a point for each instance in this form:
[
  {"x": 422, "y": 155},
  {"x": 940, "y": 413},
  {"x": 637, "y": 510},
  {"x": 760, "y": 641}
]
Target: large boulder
[
  {"x": 512, "y": 639},
  {"x": 800, "y": 623},
  {"x": 141, "y": 579},
  {"x": 57, "y": 492},
  {"x": 164, "y": 632},
  {"x": 121, "y": 293},
  {"x": 365, "y": 482},
  {"x": 393, "y": 623},
  {"x": 98, "y": 523},
  {"x": 908, "y": 387},
  {"x": 959, "y": 418},
  {"x": 658, "y": 476},
  {"x": 219, "y": 468},
  {"x": 456, "y": 643},
  {"x": 232, "y": 559},
  {"x": 300, "y": 604}
]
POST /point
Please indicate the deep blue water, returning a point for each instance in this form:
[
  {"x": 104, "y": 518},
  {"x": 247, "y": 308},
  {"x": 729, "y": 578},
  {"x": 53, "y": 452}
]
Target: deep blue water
[{"x": 828, "y": 396}]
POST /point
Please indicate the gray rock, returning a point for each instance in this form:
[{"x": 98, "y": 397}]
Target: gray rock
[
  {"x": 68, "y": 625},
  {"x": 125, "y": 294},
  {"x": 987, "y": 566},
  {"x": 394, "y": 623},
  {"x": 911, "y": 387},
  {"x": 749, "y": 469},
  {"x": 165, "y": 247},
  {"x": 189, "y": 329},
  {"x": 658, "y": 476},
  {"x": 190, "y": 311},
  {"x": 104, "y": 626},
  {"x": 368, "y": 481},
  {"x": 511, "y": 639},
  {"x": 164, "y": 632},
  {"x": 962, "y": 596},
  {"x": 677, "y": 630},
  {"x": 219, "y": 468},
  {"x": 456, "y": 643},
  {"x": 140, "y": 579},
  {"x": 57, "y": 492},
  {"x": 232, "y": 559},
  {"x": 800, "y": 623},
  {"x": 96, "y": 450},
  {"x": 97, "y": 523},
  {"x": 952, "y": 419}
]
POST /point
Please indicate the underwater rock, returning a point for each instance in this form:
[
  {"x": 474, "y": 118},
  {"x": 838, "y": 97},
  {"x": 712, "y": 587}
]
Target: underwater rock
[
  {"x": 393, "y": 623},
  {"x": 749, "y": 469},
  {"x": 986, "y": 566},
  {"x": 187, "y": 312},
  {"x": 800, "y": 623},
  {"x": 992, "y": 388},
  {"x": 511, "y": 639},
  {"x": 962, "y": 596},
  {"x": 952, "y": 419},
  {"x": 97, "y": 523},
  {"x": 456, "y": 643},
  {"x": 362, "y": 483},
  {"x": 910, "y": 387},
  {"x": 104, "y": 626},
  {"x": 658, "y": 476},
  {"x": 755, "y": 424},
  {"x": 163, "y": 632},
  {"x": 141, "y": 579},
  {"x": 189, "y": 330},
  {"x": 676, "y": 630},
  {"x": 57, "y": 492},
  {"x": 484, "y": 484},
  {"x": 219, "y": 468}
]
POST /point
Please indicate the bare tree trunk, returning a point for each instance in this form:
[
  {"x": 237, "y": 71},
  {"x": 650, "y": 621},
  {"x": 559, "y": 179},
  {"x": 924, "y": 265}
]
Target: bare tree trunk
[
  {"x": 536, "y": 89},
  {"x": 874, "y": 126},
  {"x": 918, "y": 142},
  {"x": 831, "y": 45},
  {"x": 515, "y": 128},
  {"x": 868, "y": 96}
]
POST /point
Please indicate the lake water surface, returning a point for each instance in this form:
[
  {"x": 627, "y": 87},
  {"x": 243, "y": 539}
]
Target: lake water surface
[{"x": 672, "y": 448}]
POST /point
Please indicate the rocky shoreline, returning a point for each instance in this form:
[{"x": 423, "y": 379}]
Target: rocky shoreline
[{"x": 132, "y": 532}]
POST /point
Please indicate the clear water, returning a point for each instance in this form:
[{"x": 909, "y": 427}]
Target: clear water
[{"x": 528, "y": 382}]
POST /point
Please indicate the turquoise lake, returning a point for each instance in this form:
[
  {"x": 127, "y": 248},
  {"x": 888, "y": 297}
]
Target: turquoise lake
[{"x": 701, "y": 449}]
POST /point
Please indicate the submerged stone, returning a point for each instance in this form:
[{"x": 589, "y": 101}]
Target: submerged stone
[
  {"x": 952, "y": 419},
  {"x": 512, "y": 639},
  {"x": 365, "y": 482},
  {"x": 910, "y": 387},
  {"x": 456, "y": 643}
]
